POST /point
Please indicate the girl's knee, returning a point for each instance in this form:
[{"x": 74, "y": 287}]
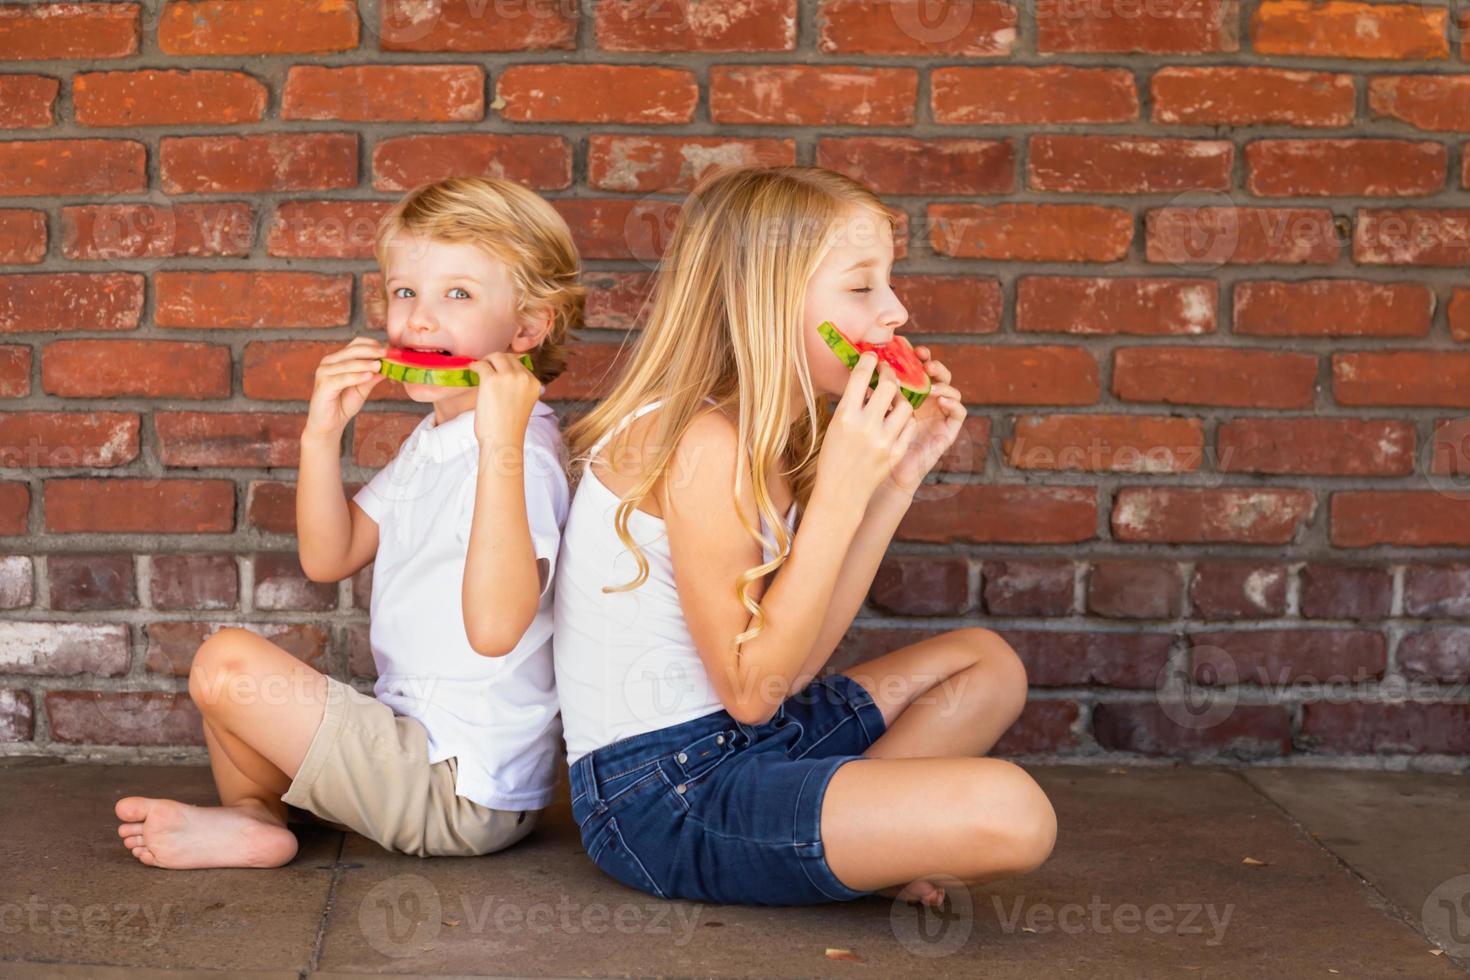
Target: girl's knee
[
  {"x": 1027, "y": 832},
  {"x": 1005, "y": 672}
]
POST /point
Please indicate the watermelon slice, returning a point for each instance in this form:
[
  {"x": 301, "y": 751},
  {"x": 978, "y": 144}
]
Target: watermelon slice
[
  {"x": 898, "y": 354},
  {"x": 427, "y": 368}
]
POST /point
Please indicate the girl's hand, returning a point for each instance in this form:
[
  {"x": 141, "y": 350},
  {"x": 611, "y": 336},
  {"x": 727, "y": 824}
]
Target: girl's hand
[
  {"x": 939, "y": 421},
  {"x": 867, "y": 435},
  {"x": 507, "y": 394},
  {"x": 343, "y": 380}
]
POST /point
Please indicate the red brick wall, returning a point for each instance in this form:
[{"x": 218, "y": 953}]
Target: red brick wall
[{"x": 1198, "y": 266}]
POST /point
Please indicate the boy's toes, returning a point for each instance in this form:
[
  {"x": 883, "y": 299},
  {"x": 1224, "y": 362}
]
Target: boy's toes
[
  {"x": 134, "y": 841},
  {"x": 132, "y": 809},
  {"x": 144, "y": 855},
  {"x": 129, "y": 829}
]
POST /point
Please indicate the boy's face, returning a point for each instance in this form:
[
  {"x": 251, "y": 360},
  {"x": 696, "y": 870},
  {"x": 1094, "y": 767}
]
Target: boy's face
[
  {"x": 451, "y": 297},
  {"x": 850, "y": 287}
]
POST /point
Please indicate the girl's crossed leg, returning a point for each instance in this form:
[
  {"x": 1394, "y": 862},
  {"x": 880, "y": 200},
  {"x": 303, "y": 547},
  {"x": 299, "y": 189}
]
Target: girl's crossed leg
[
  {"x": 261, "y": 709},
  {"x": 922, "y": 809}
]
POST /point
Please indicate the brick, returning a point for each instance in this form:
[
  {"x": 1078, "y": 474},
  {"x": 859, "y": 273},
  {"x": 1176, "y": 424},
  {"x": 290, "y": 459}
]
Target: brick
[
  {"x": 1028, "y": 587},
  {"x": 1214, "y": 376},
  {"x": 27, "y": 101},
  {"x": 591, "y": 370},
  {"x": 123, "y": 718},
  {"x": 86, "y": 582},
  {"x": 1412, "y": 236},
  {"x": 473, "y": 25},
  {"x": 1106, "y": 444},
  {"x": 360, "y": 653},
  {"x": 253, "y": 439},
  {"x": 167, "y": 98},
  {"x": 1402, "y": 377},
  {"x": 950, "y": 304},
  {"x": 1012, "y": 95},
  {"x": 1031, "y": 232},
  {"x": 285, "y": 370},
  {"x": 17, "y": 716},
  {"x": 17, "y": 582},
  {"x": 689, "y": 25},
  {"x": 252, "y": 299},
  {"x": 903, "y": 165},
  {"x": 1244, "y": 732},
  {"x": 362, "y": 587},
  {"x": 1045, "y": 727},
  {"x": 1338, "y": 29},
  {"x": 64, "y": 649},
  {"x": 1441, "y": 654},
  {"x": 1128, "y": 165},
  {"x": 1437, "y": 103},
  {"x": 194, "y": 582},
  {"x": 809, "y": 95},
  {"x": 377, "y": 436},
  {"x": 404, "y": 162},
  {"x": 135, "y": 368},
  {"x": 1190, "y": 515},
  {"x": 59, "y": 301},
  {"x": 968, "y": 452},
  {"x": 69, "y": 167},
  {"x": 1345, "y": 168},
  {"x": 1377, "y": 728},
  {"x": 132, "y": 231},
  {"x": 1336, "y": 590},
  {"x": 15, "y": 506},
  {"x": 1029, "y": 375},
  {"x": 385, "y": 93},
  {"x": 1411, "y": 518},
  {"x": 258, "y": 164},
  {"x": 1459, "y": 314},
  {"x": 922, "y": 586},
  {"x": 1449, "y": 448},
  {"x": 619, "y": 229},
  {"x": 1125, "y": 26},
  {"x": 1333, "y": 308},
  {"x": 674, "y": 164},
  {"x": 280, "y": 584},
  {"x": 597, "y": 94},
  {"x": 22, "y": 236},
  {"x": 1003, "y": 514},
  {"x": 41, "y": 31},
  {"x": 1251, "y": 96},
  {"x": 1237, "y": 590},
  {"x": 61, "y": 439},
  {"x": 1054, "y": 658},
  {"x": 1316, "y": 446},
  {"x": 172, "y": 645},
  {"x": 1437, "y": 591},
  {"x": 1273, "y": 658},
  {"x": 139, "y": 506},
  {"x": 964, "y": 28},
  {"x": 1109, "y": 305},
  {"x": 1134, "y": 590},
  {"x": 1241, "y": 236},
  {"x": 325, "y": 229},
  {"x": 15, "y": 371},
  {"x": 271, "y": 507},
  {"x": 225, "y": 27}
]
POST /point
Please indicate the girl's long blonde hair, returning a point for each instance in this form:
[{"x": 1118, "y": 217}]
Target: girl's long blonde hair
[{"x": 725, "y": 321}]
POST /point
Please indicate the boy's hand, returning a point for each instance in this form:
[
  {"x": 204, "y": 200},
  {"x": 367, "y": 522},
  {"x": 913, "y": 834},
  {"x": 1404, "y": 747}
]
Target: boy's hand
[
  {"x": 343, "y": 380},
  {"x": 508, "y": 393}
]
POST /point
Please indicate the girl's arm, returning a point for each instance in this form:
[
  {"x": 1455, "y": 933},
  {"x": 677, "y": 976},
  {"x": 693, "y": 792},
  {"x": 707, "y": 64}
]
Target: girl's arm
[{"x": 502, "y": 585}]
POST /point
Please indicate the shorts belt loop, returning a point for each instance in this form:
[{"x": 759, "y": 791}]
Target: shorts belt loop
[{"x": 588, "y": 776}]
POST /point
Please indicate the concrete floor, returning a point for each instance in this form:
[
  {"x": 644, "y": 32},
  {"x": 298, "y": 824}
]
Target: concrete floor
[{"x": 1155, "y": 872}]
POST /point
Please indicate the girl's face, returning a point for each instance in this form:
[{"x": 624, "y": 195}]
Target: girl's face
[
  {"x": 450, "y": 297},
  {"x": 850, "y": 288}
]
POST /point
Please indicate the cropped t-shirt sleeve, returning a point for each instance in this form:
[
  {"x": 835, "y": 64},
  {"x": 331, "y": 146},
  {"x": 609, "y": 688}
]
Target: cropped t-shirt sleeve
[{"x": 374, "y": 497}]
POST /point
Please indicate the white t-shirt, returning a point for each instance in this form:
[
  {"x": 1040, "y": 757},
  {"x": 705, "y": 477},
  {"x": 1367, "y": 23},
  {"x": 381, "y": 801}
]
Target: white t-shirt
[{"x": 497, "y": 715}]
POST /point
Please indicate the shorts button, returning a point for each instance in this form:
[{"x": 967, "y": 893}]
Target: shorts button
[
  {"x": 719, "y": 740},
  {"x": 683, "y": 758},
  {"x": 680, "y": 788}
]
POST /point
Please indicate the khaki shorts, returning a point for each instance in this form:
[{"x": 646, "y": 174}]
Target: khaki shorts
[{"x": 367, "y": 770}]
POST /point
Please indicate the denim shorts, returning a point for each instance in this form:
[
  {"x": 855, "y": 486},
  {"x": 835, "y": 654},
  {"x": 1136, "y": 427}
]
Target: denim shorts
[{"x": 715, "y": 810}]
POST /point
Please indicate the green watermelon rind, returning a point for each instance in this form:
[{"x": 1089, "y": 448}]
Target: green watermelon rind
[
  {"x": 443, "y": 377},
  {"x": 849, "y": 355}
]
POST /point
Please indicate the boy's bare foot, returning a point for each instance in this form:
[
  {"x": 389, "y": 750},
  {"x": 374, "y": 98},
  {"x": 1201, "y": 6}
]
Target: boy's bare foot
[
  {"x": 918, "y": 892},
  {"x": 170, "y": 834}
]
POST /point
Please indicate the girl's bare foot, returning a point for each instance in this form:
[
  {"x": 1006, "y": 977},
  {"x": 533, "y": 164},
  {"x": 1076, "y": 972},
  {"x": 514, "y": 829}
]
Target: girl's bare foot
[
  {"x": 918, "y": 892},
  {"x": 170, "y": 834}
]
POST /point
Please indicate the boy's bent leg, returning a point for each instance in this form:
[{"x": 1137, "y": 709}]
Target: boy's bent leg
[{"x": 261, "y": 709}]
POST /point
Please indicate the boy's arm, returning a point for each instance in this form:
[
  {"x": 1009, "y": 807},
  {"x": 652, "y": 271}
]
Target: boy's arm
[
  {"x": 334, "y": 537},
  {"x": 503, "y": 579}
]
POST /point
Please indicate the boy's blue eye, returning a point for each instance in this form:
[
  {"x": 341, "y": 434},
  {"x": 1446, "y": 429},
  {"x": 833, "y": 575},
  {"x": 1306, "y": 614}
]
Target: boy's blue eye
[
  {"x": 401, "y": 289},
  {"x": 459, "y": 289}
]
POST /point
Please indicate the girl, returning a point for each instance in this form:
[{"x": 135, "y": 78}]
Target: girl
[{"x": 708, "y": 761}]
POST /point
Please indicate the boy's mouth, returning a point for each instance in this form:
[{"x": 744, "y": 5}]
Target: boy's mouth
[{"x": 431, "y": 350}]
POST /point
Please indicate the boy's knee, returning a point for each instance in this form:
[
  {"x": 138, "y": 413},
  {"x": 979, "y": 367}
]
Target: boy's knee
[{"x": 218, "y": 658}]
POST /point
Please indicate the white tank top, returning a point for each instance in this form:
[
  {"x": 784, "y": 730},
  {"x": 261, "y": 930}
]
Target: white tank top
[{"x": 625, "y": 662}]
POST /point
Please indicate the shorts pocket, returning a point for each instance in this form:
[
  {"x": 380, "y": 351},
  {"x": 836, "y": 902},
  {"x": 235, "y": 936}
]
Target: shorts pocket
[{"x": 610, "y": 852}]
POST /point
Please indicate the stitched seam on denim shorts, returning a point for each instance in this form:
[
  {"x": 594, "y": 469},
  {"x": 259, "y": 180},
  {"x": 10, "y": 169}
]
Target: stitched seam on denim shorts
[
  {"x": 614, "y": 775},
  {"x": 826, "y": 735},
  {"x": 617, "y": 833}
]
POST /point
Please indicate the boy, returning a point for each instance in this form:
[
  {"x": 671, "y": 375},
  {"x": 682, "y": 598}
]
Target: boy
[{"x": 455, "y": 753}]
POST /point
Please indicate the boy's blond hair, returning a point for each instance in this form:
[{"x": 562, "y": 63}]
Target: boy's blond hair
[{"x": 516, "y": 226}]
